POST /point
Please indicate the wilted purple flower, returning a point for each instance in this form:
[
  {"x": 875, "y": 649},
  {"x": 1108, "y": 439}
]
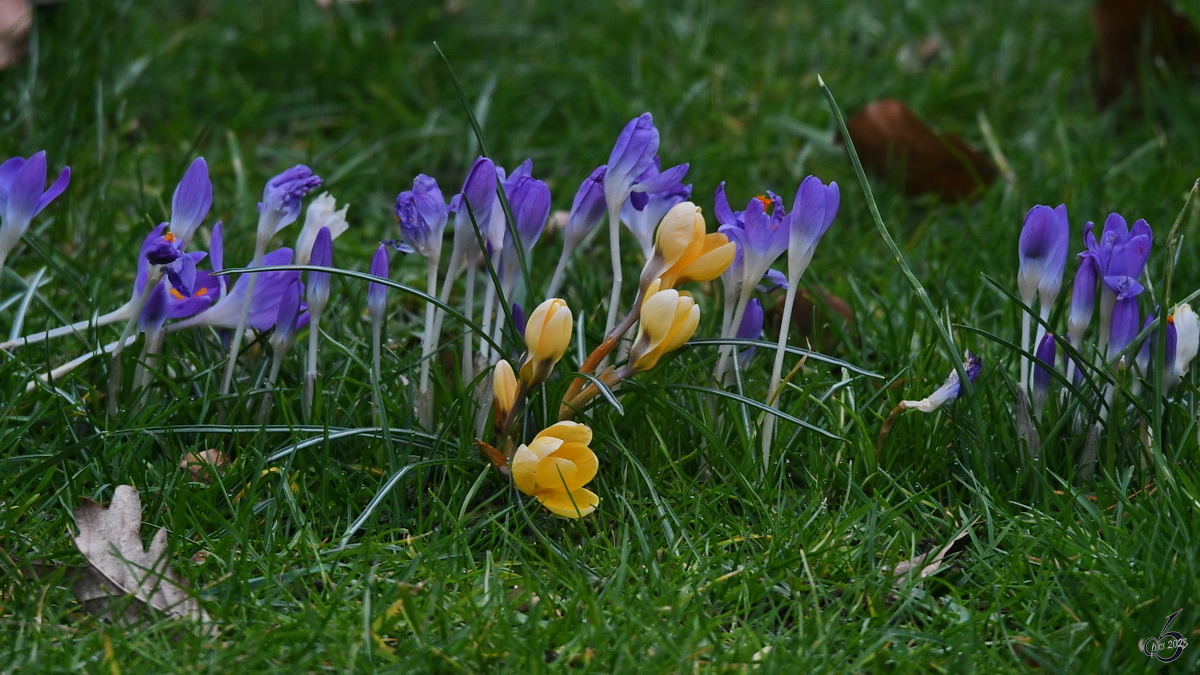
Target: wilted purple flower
[
  {"x": 263, "y": 305},
  {"x": 281, "y": 200},
  {"x": 318, "y": 282},
  {"x": 586, "y": 210},
  {"x": 1043, "y": 255},
  {"x": 422, "y": 213},
  {"x": 643, "y": 211},
  {"x": 23, "y": 195},
  {"x": 377, "y": 293},
  {"x": 815, "y": 207},
  {"x": 191, "y": 202},
  {"x": 632, "y": 154},
  {"x": 1046, "y": 352},
  {"x": 949, "y": 391}
]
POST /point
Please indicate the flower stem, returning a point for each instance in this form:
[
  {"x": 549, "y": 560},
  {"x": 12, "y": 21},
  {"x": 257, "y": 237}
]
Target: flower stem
[
  {"x": 236, "y": 343},
  {"x": 122, "y": 313},
  {"x": 614, "y": 245},
  {"x": 424, "y": 399},
  {"x": 114, "y": 377},
  {"x": 785, "y": 324}
]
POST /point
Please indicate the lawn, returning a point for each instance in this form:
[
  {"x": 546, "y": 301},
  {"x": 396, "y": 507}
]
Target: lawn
[{"x": 346, "y": 539}]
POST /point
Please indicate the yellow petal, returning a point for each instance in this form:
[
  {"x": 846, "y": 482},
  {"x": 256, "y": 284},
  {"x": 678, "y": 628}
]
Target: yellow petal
[
  {"x": 574, "y": 504},
  {"x": 711, "y": 264},
  {"x": 524, "y": 466},
  {"x": 674, "y": 233},
  {"x": 557, "y": 334},
  {"x": 533, "y": 327},
  {"x": 504, "y": 386},
  {"x": 555, "y": 473},
  {"x": 657, "y": 315},
  {"x": 568, "y": 432},
  {"x": 543, "y": 446},
  {"x": 684, "y": 330},
  {"x": 585, "y": 461}
]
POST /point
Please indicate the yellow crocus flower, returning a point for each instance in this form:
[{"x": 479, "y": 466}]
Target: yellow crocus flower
[
  {"x": 547, "y": 336},
  {"x": 683, "y": 252},
  {"x": 668, "y": 320},
  {"x": 555, "y": 466},
  {"x": 504, "y": 386}
]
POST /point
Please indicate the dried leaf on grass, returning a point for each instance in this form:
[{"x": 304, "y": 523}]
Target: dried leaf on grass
[
  {"x": 205, "y": 464},
  {"x": 892, "y": 140},
  {"x": 16, "y": 17},
  {"x": 118, "y": 565},
  {"x": 929, "y": 564},
  {"x": 1132, "y": 35}
]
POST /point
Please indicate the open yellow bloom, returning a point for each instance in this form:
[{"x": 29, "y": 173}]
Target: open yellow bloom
[
  {"x": 668, "y": 320},
  {"x": 504, "y": 386},
  {"x": 684, "y": 252},
  {"x": 555, "y": 466},
  {"x": 547, "y": 336}
]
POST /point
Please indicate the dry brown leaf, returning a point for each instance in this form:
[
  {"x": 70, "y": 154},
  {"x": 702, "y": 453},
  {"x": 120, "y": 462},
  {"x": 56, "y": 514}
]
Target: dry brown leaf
[
  {"x": 16, "y": 17},
  {"x": 891, "y": 140},
  {"x": 202, "y": 465},
  {"x": 110, "y": 540},
  {"x": 1127, "y": 31},
  {"x": 936, "y": 558}
]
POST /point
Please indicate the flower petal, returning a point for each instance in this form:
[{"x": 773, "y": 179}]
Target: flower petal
[{"x": 574, "y": 504}]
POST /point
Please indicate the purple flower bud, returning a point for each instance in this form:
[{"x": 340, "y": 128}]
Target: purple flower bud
[
  {"x": 1124, "y": 326},
  {"x": 1046, "y": 353},
  {"x": 772, "y": 280},
  {"x": 281, "y": 199},
  {"x": 192, "y": 200},
  {"x": 479, "y": 192},
  {"x": 1083, "y": 298},
  {"x": 587, "y": 209},
  {"x": 285, "y": 319},
  {"x": 318, "y": 282},
  {"x": 23, "y": 195},
  {"x": 815, "y": 207},
  {"x": 1043, "y": 254},
  {"x": 154, "y": 312},
  {"x": 750, "y": 329},
  {"x": 377, "y": 293},
  {"x": 1172, "y": 343},
  {"x": 422, "y": 214},
  {"x": 518, "y": 315},
  {"x": 633, "y": 152},
  {"x": 644, "y": 210},
  {"x": 529, "y": 199}
]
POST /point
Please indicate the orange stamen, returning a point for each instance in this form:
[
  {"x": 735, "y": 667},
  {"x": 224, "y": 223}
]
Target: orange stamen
[
  {"x": 176, "y": 294},
  {"x": 766, "y": 202},
  {"x": 168, "y": 237}
]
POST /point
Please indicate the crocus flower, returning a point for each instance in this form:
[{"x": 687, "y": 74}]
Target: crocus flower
[
  {"x": 529, "y": 199},
  {"x": 191, "y": 201},
  {"x": 479, "y": 191},
  {"x": 1046, "y": 353},
  {"x": 422, "y": 214},
  {"x": 23, "y": 195},
  {"x": 750, "y": 329},
  {"x": 643, "y": 211},
  {"x": 1120, "y": 252},
  {"x": 154, "y": 312},
  {"x": 1183, "y": 328},
  {"x": 322, "y": 214},
  {"x": 1083, "y": 300},
  {"x": 167, "y": 253},
  {"x": 813, "y": 211},
  {"x": 950, "y": 391},
  {"x": 1124, "y": 326},
  {"x": 504, "y": 387},
  {"x": 377, "y": 293},
  {"x": 547, "y": 336},
  {"x": 281, "y": 200},
  {"x": 286, "y": 314},
  {"x": 318, "y": 282},
  {"x": 261, "y": 306},
  {"x": 586, "y": 211},
  {"x": 555, "y": 466},
  {"x": 683, "y": 252},
  {"x": 1043, "y": 255},
  {"x": 668, "y": 320}
]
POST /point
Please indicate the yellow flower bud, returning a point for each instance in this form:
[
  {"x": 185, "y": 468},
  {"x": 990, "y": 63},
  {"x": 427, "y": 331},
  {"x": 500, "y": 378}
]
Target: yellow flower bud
[
  {"x": 504, "y": 385},
  {"x": 668, "y": 320},
  {"x": 684, "y": 252},
  {"x": 555, "y": 466},
  {"x": 547, "y": 336}
]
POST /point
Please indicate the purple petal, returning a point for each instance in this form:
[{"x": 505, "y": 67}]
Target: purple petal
[
  {"x": 663, "y": 180},
  {"x": 192, "y": 200},
  {"x": 25, "y": 191},
  {"x": 721, "y": 207}
]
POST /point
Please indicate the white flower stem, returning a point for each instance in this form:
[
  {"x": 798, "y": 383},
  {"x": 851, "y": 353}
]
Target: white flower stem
[
  {"x": 1024, "y": 380},
  {"x": 614, "y": 245},
  {"x": 722, "y": 373},
  {"x": 236, "y": 343},
  {"x": 141, "y": 375},
  {"x": 424, "y": 398},
  {"x": 63, "y": 370},
  {"x": 122, "y": 313},
  {"x": 559, "y": 272},
  {"x": 310, "y": 375},
  {"x": 376, "y": 335},
  {"x": 469, "y": 315},
  {"x": 268, "y": 398},
  {"x": 785, "y": 324}
]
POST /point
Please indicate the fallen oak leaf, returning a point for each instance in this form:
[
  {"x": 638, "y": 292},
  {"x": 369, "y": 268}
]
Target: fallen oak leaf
[
  {"x": 891, "y": 139},
  {"x": 118, "y": 565}
]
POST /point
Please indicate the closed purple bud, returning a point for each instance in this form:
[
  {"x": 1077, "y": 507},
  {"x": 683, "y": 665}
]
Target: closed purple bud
[
  {"x": 318, "y": 282},
  {"x": 812, "y": 213},
  {"x": 587, "y": 209},
  {"x": 1083, "y": 298},
  {"x": 192, "y": 200},
  {"x": 529, "y": 199},
  {"x": 633, "y": 152},
  {"x": 23, "y": 195},
  {"x": 1046, "y": 352},
  {"x": 1171, "y": 346},
  {"x": 422, "y": 214},
  {"x": 518, "y": 316},
  {"x": 479, "y": 191},
  {"x": 1042, "y": 251},
  {"x": 216, "y": 247},
  {"x": 285, "y": 320},
  {"x": 154, "y": 312},
  {"x": 377, "y": 293},
  {"x": 750, "y": 329},
  {"x": 1124, "y": 326}
]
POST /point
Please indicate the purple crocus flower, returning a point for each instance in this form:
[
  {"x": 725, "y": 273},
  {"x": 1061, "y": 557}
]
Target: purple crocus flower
[
  {"x": 281, "y": 200},
  {"x": 948, "y": 392},
  {"x": 586, "y": 210},
  {"x": 422, "y": 213},
  {"x": 1083, "y": 299},
  {"x": 1046, "y": 352},
  {"x": 1124, "y": 326},
  {"x": 318, "y": 282},
  {"x": 286, "y": 314},
  {"x": 191, "y": 202},
  {"x": 1043, "y": 255},
  {"x": 632, "y": 154},
  {"x": 377, "y": 293},
  {"x": 479, "y": 192},
  {"x": 518, "y": 316},
  {"x": 760, "y": 235},
  {"x": 815, "y": 207},
  {"x": 1121, "y": 251},
  {"x": 263, "y": 305},
  {"x": 154, "y": 312},
  {"x": 23, "y": 195},
  {"x": 643, "y": 211},
  {"x": 179, "y": 266},
  {"x": 529, "y": 199}
]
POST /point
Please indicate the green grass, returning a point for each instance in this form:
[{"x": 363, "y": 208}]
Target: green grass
[{"x": 691, "y": 563}]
